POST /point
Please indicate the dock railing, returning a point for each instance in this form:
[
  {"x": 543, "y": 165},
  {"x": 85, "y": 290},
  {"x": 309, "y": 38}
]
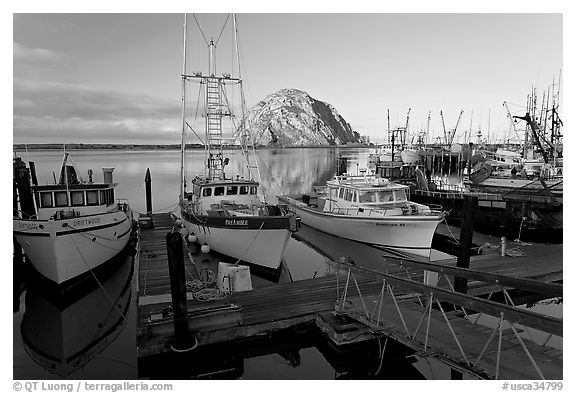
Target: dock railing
[{"x": 436, "y": 293}]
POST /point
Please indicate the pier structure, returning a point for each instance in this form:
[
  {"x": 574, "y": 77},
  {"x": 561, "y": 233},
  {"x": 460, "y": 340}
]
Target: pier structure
[{"x": 411, "y": 302}]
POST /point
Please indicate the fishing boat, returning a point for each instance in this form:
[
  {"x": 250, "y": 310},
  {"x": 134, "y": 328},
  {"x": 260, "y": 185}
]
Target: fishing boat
[
  {"x": 369, "y": 209},
  {"x": 68, "y": 228},
  {"x": 225, "y": 212}
]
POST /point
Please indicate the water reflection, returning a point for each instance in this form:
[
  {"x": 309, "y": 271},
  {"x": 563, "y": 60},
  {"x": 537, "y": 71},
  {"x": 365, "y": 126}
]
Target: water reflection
[{"x": 63, "y": 334}]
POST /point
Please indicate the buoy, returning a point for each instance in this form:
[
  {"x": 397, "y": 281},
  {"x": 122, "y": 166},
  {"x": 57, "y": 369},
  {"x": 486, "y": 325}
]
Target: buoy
[
  {"x": 205, "y": 248},
  {"x": 192, "y": 238}
]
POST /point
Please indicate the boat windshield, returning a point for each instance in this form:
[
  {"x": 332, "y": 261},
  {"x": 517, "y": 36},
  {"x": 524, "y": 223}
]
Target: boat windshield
[
  {"x": 400, "y": 195},
  {"x": 370, "y": 196}
]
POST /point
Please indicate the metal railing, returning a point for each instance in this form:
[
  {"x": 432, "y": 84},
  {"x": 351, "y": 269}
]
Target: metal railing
[{"x": 432, "y": 298}]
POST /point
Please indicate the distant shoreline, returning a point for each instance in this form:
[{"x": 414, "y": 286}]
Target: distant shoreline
[{"x": 109, "y": 146}]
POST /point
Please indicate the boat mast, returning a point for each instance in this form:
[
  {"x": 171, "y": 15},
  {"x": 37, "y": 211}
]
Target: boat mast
[{"x": 182, "y": 189}]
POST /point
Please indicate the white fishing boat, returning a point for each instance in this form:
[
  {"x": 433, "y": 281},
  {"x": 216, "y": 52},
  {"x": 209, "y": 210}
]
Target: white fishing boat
[
  {"x": 410, "y": 156},
  {"x": 226, "y": 212},
  {"x": 72, "y": 226},
  {"x": 371, "y": 210}
]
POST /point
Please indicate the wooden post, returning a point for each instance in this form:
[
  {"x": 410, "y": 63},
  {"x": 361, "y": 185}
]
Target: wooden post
[
  {"x": 22, "y": 180},
  {"x": 148, "y": 181},
  {"x": 33, "y": 173},
  {"x": 182, "y": 339},
  {"x": 466, "y": 232}
]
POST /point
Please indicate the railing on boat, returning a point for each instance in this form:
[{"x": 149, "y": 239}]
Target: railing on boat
[{"x": 406, "y": 211}]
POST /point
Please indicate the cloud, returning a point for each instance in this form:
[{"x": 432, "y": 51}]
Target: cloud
[
  {"x": 23, "y": 54},
  {"x": 54, "y": 111}
]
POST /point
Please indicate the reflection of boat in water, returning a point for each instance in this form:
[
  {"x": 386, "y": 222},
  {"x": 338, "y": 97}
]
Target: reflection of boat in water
[
  {"x": 64, "y": 333},
  {"x": 68, "y": 228},
  {"x": 371, "y": 210}
]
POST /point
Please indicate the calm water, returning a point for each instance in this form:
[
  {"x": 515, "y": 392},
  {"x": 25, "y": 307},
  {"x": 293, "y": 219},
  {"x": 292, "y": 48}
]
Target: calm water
[{"x": 93, "y": 334}]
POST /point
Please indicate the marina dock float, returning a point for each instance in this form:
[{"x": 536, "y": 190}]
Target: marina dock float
[{"x": 273, "y": 308}]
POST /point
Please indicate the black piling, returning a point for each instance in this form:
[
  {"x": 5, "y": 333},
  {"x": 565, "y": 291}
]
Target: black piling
[
  {"x": 182, "y": 339},
  {"x": 466, "y": 233},
  {"x": 22, "y": 183},
  {"x": 148, "y": 181},
  {"x": 33, "y": 173}
]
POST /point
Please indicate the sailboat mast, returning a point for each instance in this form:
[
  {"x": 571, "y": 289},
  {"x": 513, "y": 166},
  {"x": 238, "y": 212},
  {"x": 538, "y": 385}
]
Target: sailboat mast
[{"x": 182, "y": 145}]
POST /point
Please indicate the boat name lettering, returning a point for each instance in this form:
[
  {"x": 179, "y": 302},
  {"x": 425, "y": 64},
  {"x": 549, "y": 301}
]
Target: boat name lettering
[
  {"x": 236, "y": 222},
  {"x": 86, "y": 221},
  {"x": 395, "y": 225},
  {"x": 28, "y": 226}
]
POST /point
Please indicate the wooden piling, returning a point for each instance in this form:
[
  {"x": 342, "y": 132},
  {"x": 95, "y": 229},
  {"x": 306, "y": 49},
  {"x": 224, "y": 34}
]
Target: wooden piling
[
  {"x": 466, "y": 233},
  {"x": 33, "y": 173},
  {"x": 182, "y": 339},
  {"x": 148, "y": 181},
  {"x": 22, "y": 180}
]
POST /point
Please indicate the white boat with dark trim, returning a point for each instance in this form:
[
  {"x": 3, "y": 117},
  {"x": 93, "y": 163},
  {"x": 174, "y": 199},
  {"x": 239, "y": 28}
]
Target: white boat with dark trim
[
  {"x": 72, "y": 226},
  {"x": 226, "y": 212},
  {"x": 371, "y": 210}
]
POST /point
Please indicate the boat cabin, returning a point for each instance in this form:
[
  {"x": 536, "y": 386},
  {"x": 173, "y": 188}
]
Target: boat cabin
[
  {"x": 214, "y": 195},
  {"x": 58, "y": 201},
  {"x": 348, "y": 191}
]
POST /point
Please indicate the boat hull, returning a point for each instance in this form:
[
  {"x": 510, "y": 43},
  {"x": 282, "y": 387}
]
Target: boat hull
[
  {"x": 260, "y": 241},
  {"x": 62, "y": 250},
  {"x": 406, "y": 234}
]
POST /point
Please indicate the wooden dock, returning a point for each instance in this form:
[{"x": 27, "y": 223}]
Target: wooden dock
[{"x": 277, "y": 307}]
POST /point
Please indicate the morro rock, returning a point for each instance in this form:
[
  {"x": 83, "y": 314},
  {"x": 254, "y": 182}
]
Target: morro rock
[{"x": 290, "y": 117}]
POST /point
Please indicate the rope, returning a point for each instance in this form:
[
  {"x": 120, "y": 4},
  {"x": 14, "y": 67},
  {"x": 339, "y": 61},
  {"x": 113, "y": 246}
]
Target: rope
[
  {"x": 515, "y": 252},
  {"x": 450, "y": 231},
  {"x": 250, "y": 245},
  {"x": 102, "y": 287},
  {"x": 175, "y": 206},
  {"x": 209, "y": 294}
]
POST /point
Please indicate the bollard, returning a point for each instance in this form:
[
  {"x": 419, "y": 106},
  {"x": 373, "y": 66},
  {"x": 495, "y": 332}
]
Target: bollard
[
  {"x": 503, "y": 246},
  {"x": 182, "y": 340},
  {"x": 148, "y": 181}
]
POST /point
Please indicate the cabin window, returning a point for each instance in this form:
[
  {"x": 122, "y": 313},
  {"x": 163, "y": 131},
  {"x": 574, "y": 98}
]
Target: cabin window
[
  {"x": 231, "y": 190},
  {"x": 367, "y": 197},
  {"x": 77, "y": 198},
  {"x": 252, "y": 190},
  {"x": 385, "y": 196},
  {"x": 341, "y": 193},
  {"x": 107, "y": 197},
  {"x": 400, "y": 195},
  {"x": 207, "y": 192},
  {"x": 111, "y": 196},
  {"x": 218, "y": 191},
  {"x": 61, "y": 198},
  {"x": 348, "y": 194},
  {"x": 91, "y": 198},
  {"x": 243, "y": 190},
  {"x": 46, "y": 199}
]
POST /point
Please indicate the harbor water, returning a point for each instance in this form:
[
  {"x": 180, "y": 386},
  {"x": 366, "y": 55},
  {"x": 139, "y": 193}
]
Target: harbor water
[{"x": 92, "y": 334}]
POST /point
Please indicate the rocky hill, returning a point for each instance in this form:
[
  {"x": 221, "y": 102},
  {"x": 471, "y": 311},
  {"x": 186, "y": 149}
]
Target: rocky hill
[{"x": 290, "y": 117}]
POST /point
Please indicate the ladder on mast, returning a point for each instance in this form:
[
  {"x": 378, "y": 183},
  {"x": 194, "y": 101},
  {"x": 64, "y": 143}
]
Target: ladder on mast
[{"x": 214, "y": 115}]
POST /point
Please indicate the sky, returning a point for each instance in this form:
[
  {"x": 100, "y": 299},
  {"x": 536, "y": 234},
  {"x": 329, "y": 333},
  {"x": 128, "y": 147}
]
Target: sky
[{"x": 115, "y": 78}]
